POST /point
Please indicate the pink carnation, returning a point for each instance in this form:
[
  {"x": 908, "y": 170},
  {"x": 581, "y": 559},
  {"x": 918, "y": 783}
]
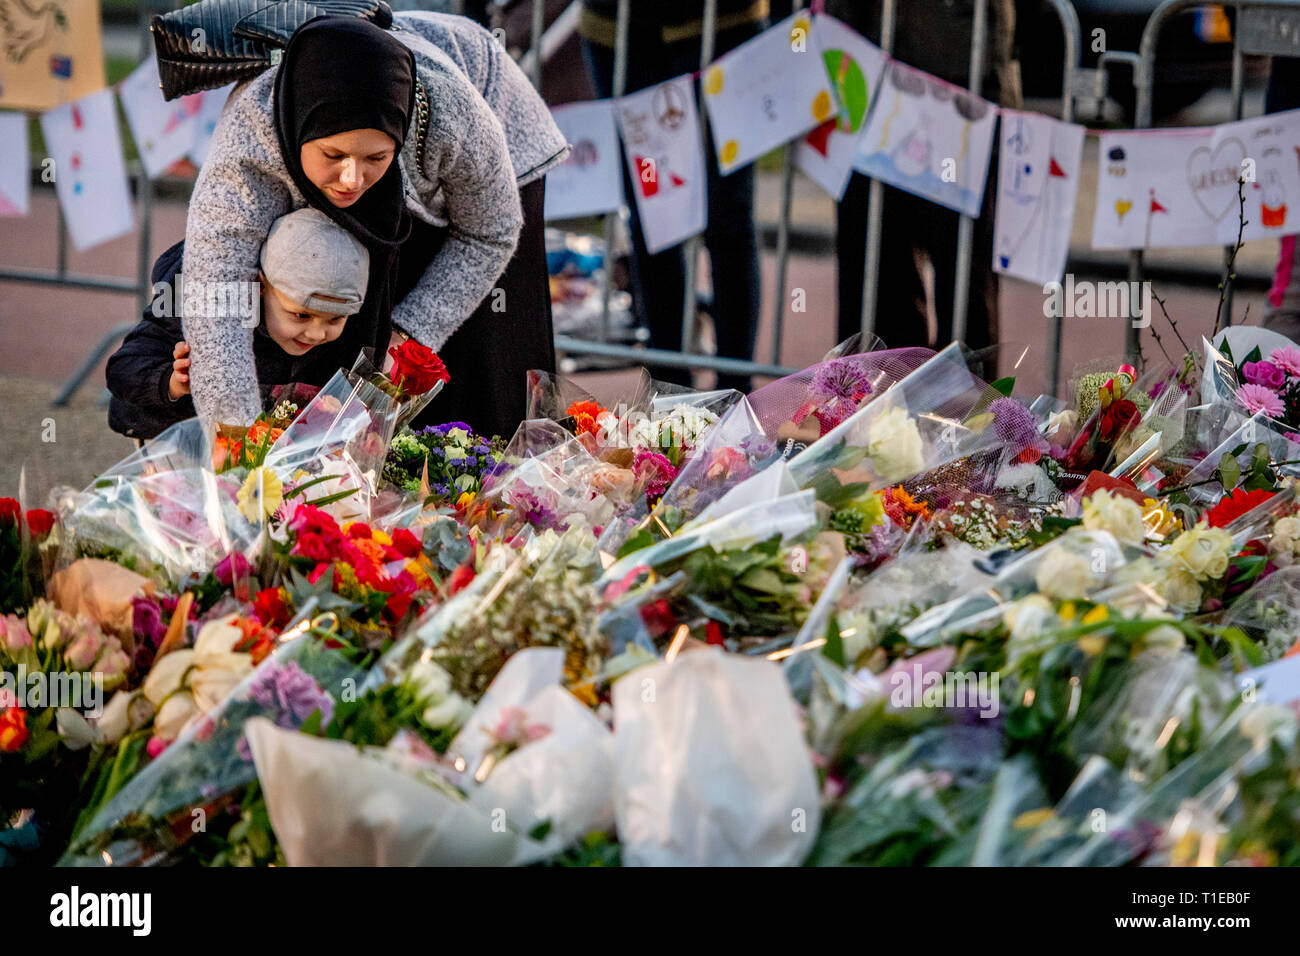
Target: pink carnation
[
  {"x": 1288, "y": 359},
  {"x": 1257, "y": 398}
]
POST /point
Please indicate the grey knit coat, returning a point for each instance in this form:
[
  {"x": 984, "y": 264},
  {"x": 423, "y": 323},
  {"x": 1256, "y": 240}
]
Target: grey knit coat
[{"x": 489, "y": 134}]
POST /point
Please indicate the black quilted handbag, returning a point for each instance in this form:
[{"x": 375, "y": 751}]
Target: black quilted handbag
[{"x": 214, "y": 42}]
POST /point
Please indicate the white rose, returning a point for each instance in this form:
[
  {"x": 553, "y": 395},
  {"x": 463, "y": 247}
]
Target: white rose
[
  {"x": 1121, "y": 516},
  {"x": 1284, "y": 546},
  {"x": 1180, "y": 589},
  {"x": 452, "y": 712},
  {"x": 1064, "y": 574},
  {"x": 895, "y": 446},
  {"x": 1203, "y": 551},
  {"x": 428, "y": 681},
  {"x": 125, "y": 712},
  {"x": 1164, "y": 639}
]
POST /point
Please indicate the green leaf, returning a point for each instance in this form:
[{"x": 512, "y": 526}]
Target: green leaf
[
  {"x": 834, "y": 649},
  {"x": 1004, "y": 385},
  {"x": 1229, "y": 472}
]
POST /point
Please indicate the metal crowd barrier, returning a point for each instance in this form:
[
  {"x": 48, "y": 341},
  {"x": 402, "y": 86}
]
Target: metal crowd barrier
[{"x": 1263, "y": 27}]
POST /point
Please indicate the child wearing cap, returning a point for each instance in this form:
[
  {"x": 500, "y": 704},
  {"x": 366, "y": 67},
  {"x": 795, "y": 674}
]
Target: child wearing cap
[{"x": 313, "y": 276}]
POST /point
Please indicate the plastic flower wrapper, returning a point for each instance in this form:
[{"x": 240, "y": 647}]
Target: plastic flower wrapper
[
  {"x": 514, "y": 801},
  {"x": 802, "y": 407},
  {"x": 712, "y": 767},
  {"x": 337, "y": 444},
  {"x": 537, "y": 592},
  {"x": 446, "y": 461},
  {"x": 1247, "y": 451},
  {"x": 1162, "y": 396},
  {"x": 729, "y": 452},
  {"x": 857, "y": 612},
  {"x": 162, "y": 521},
  {"x": 925, "y": 420},
  {"x": 410, "y": 394},
  {"x": 1269, "y": 613},
  {"x": 151, "y": 817}
]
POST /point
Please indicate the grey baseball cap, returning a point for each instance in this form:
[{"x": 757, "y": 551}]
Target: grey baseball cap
[{"x": 307, "y": 255}]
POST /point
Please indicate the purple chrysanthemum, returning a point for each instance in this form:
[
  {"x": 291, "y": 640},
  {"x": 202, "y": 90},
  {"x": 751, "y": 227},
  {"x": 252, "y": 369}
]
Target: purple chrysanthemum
[
  {"x": 1016, "y": 426},
  {"x": 291, "y": 694},
  {"x": 841, "y": 378}
]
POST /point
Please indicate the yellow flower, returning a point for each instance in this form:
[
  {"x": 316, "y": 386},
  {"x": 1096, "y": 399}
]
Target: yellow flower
[
  {"x": 1032, "y": 818},
  {"x": 260, "y": 495},
  {"x": 1098, "y": 613},
  {"x": 381, "y": 537},
  {"x": 465, "y": 499},
  {"x": 1092, "y": 644}
]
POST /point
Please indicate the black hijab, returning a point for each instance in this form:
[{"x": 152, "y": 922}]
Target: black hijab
[{"x": 339, "y": 74}]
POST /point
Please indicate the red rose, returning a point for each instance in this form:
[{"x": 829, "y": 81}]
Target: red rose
[
  {"x": 407, "y": 544},
  {"x": 460, "y": 579},
  {"x": 416, "y": 369},
  {"x": 13, "y": 730},
  {"x": 1117, "y": 419},
  {"x": 40, "y": 521},
  {"x": 359, "y": 529},
  {"x": 713, "y": 633},
  {"x": 9, "y": 512}
]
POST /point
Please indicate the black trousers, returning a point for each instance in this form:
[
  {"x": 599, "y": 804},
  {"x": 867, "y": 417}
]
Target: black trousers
[
  {"x": 912, "y": 225},
  {"x": 490, "y": 355}
]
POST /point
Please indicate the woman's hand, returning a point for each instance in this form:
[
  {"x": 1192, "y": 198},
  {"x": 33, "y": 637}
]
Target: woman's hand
[{"x": 179, "y": 386}]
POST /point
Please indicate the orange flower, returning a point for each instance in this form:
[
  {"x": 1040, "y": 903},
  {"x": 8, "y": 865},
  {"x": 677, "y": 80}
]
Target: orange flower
[
  {"x": 909, "y": 504},
  {"x": 584, "y": 415},
  {"x": 13, "y": 730}
]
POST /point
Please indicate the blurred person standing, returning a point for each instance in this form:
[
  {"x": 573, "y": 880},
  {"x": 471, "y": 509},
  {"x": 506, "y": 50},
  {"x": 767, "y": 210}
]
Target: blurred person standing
[
  {"x": 1283, "y": 312},
  {"x": 934, "y": 36},
  {"x": 663, "y": 43}
]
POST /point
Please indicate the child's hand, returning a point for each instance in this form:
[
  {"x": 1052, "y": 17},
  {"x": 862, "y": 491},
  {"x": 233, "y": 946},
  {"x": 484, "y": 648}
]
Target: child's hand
[{"x": 180, "y": 380}]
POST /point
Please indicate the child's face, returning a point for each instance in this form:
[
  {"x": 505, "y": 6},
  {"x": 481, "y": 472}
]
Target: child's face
[{"x": 294, "y": 328}]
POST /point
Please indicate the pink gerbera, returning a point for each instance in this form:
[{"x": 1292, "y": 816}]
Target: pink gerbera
[
  {"x": 1258, "y": 398},
  {"x": 1287, "y": 358}
]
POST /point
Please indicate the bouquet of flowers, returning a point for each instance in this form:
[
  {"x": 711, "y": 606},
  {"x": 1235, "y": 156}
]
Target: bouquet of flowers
[
  {"x": 446, "y": 461},
  {"x": 23, "y": 540}
]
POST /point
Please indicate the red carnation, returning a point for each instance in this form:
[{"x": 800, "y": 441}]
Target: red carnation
[
  {"x": 271, "y": 609},
  {"x": 460, "y": 579},
  {"x": 40, "y": 521},
  {"x": 313, "y": 547},
  {"x": 1117, "y": 418},
  {"x": 397, "y": 605},
  {"x": 9, "y": 512},
  {"x": 1236, "y": 504},
  {"x": 407, "y": 544},
  {"x": 416, "y": 369}
]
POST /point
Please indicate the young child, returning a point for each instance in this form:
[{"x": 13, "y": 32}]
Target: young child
[{"x": 313, "y": 276}]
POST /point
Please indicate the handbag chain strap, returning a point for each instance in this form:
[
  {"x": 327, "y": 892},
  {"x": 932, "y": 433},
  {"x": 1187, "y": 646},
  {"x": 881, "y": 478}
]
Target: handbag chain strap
[{"x": 421, "y": 124}]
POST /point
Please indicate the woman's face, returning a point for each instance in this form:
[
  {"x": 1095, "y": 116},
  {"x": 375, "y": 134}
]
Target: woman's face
[{"x": 345, "y": 165}]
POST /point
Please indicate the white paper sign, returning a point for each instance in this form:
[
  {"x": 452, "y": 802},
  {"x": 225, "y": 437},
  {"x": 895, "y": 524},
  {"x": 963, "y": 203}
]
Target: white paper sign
[
  {"x": 765, "y": 92},
  {"x": 163, "y": 131},
  {"x": 853, "y": 66},
  {"x": 590, "y": 181},
  {"x": 1178, "y": 187},
  {"x": 15, "y": 168},
  {"x": 661, "y": 139},
  {"x": 929, "y": 138},
  {"x": 1275, "y": 683},
  {"x": 206, "y": 121},
  {"x": 1038, "y": 181},
  {"x": 90, "y": 173}
]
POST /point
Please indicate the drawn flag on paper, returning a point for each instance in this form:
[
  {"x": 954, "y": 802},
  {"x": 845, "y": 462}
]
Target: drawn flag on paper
[
  {"x": 590, "y": 181},
  {"x": 50, "y": 52},
  {"x": 164, "y": 131},
  {"x": 665, "y": 157},
  {"x": 90, "y": 174},
  {"x": 853, "y": 65},
  {"x": 765, "y": 92},
  {"x": 929, "y": 138},
  {"x": 206, "y": 122},
  {"x": 15, "y": 169},
  {"x": 1038, "y": 182}
]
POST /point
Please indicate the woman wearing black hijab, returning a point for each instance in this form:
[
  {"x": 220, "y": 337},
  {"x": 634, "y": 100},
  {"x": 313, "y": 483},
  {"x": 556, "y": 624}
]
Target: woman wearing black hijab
[{"x": 387, "y": 134}]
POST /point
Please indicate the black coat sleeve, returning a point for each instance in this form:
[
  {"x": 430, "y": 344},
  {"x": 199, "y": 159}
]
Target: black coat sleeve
[{"x": 139, "y": 371}]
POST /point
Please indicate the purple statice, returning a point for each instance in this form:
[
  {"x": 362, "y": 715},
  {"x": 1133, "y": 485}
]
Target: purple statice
[
  {"x": 758, "y": 448},
  {"x": 841, "y": 378},
  {"x": 445, "y": 428},
  {"x": 290, "y": 694},
  {"x": 1016, "y": 426}
]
